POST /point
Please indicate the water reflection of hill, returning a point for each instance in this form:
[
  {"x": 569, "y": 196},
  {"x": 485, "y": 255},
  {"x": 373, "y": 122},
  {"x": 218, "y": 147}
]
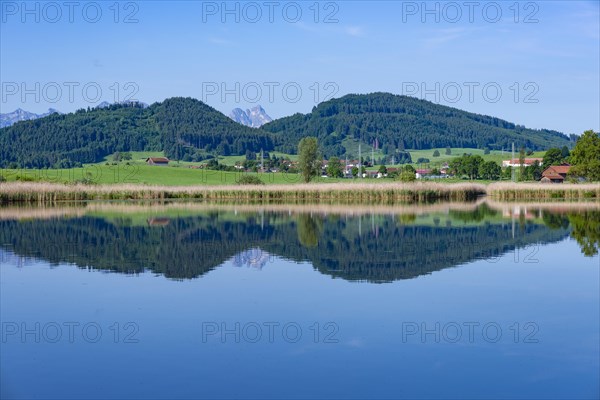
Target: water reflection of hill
[{"x": 376, "y": 248}]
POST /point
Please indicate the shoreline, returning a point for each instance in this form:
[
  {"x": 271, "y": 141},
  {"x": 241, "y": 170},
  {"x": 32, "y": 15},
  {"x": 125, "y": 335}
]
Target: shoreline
[
  {"x": 27, "y": 211},
  {"x": 363, "y": 193}
]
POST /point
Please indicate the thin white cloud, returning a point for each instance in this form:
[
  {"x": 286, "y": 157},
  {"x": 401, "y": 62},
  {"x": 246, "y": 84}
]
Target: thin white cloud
[
  {"x": 349, "y": 30},
  {"x": 221, "y": 41},
  {"x": 444, "y": 36},
  {"x": 356, "y": 31}
]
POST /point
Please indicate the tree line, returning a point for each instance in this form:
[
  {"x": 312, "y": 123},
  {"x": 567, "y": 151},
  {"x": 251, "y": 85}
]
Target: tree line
[{"x": 189, "y": 130}]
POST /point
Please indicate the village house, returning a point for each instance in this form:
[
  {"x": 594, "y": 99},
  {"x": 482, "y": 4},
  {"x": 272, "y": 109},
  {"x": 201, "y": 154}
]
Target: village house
[
  {"x": 515, "y": 162},
  {"x": 555, "y": 173},
  {"x": 160, "y": 161},
  {"x": 421, "y": 173}
]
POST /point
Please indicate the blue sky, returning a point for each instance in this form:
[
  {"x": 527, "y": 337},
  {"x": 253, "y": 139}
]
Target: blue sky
[{"x": 532, "y": 63}]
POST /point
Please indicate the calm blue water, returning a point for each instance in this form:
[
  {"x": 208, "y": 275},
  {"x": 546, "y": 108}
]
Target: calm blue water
[{"x": 255, "y": 305}]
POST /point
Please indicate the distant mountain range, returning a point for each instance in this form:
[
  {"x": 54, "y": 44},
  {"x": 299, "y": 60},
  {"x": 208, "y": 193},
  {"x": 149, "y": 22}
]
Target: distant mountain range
[
  {"x": 254, "y": 117},
  {"x": 189, "y": 130},
  {"x": 9, "y": 119}
]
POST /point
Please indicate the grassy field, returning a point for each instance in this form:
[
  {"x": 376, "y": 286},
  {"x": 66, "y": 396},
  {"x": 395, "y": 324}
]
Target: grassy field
[
  {"x": 143, "y": 174},
  {"x": 136, "y": 171},
  {"x": 494, "y": 155}
]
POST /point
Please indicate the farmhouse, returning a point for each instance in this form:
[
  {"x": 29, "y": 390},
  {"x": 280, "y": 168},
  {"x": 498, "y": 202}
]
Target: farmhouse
[
  {"x": 421, "y": 173},
  {"x": 555, "y": 173},
  {"x": 526, "y": 162},
  {"x": 160, "y": 161}
]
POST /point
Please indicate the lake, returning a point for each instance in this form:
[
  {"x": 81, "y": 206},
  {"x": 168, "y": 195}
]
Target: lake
[{"x": 191, "y": 300}]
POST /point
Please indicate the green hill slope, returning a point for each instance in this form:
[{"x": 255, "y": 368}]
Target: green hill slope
[
  {"x": 184, "y": 128},
  {"x": 189, "y": 130},
  {"x": 401, "y": 122}
]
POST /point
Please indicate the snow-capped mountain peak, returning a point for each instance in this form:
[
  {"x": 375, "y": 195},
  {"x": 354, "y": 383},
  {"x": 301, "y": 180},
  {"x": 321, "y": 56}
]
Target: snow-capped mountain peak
[
  {"x": 8, "y": 119},
  {"x": 254, "y": 117}
]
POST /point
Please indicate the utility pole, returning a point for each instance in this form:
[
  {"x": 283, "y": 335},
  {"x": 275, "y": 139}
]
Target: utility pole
[
  {"x": 359, "y": 160},
  {"x": 373, "y": 155},
  {"x": 346, "y": 166},
  {"x": 512, "y": 157}
]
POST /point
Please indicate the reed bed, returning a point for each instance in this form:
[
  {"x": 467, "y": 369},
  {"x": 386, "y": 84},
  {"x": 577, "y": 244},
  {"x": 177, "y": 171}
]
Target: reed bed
[
  {"x": 418, "y": 192},
  {"x": 333, "y": 193},
  {"x": 536, "y": 191}
]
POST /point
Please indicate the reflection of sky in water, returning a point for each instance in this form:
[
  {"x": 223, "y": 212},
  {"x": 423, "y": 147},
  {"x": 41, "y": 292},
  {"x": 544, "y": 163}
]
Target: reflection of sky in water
[
  {"x": 559, "y": 293},
  {"x": 353, "y": 340}
]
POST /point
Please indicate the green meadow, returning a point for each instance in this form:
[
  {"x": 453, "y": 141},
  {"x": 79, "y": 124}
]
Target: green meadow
[{"x": 180, "y": 173}]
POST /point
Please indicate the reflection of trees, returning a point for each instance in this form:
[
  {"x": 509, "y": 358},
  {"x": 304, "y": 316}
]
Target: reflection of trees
[
  {"x": 309, "y": 230},
  {"x": 407, "y": 218},
  {"x": 385, "y": 250},
  {"x": 477, "y": 215},
  {"x": 586, "y": 231},
  {"x": 555, "y": 221}
]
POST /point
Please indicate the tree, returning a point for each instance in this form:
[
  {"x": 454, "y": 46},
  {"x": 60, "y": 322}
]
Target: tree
[
  {"x": 585, "y": 157},
  {"x": 308, "y": 158},
  {"x": 471, "y": 166},
  {"x": 334, "y": 168},
  {"x": 407, "y": 176},
  {"x": 534, "y": 172},
  {"x": 448, "y": 151},
  {"x": 486, "y": 151},
  {"x": 553, "y": 157},
  {"x": 354, "y": 172},
  {"x": 565, "y": 152},
  {"x": 409, "y": 168},
  {"x": 490, "y": 170},
  {"x": 250, "y": 155},
  {"x": 382, "y": 169},
  {"x": 436, "y": 153},
  {"x": 507, "y": 173},
  {"x": 466, "y": 165}
]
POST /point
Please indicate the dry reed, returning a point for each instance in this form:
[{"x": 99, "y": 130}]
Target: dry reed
[
  {"x": 538, "y": 191},
  {"x": 38, "y": 192}
]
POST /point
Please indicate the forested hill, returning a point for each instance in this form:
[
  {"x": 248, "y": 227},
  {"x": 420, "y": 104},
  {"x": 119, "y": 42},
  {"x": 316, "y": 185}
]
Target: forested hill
[
  {"x": 185, "y": 128},
  {"x": 189, "y": 130},
  {"x": 63, "y": 140},
  {"x": 402, "y": 122}
]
